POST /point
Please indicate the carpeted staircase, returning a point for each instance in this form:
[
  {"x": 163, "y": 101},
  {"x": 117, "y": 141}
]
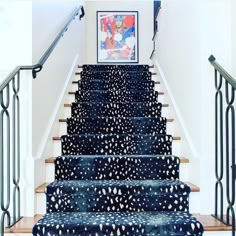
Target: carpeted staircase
[{"x": 117, "y": 174}]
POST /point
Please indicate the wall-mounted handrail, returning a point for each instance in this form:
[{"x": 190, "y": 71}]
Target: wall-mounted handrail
[
  {"x": 155, "y": 31},
  {"x": 225, "y": 153},
  {"x": 10, "y": 133}
]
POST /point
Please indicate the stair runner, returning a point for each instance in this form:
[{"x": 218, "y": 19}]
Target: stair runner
[{"x": 117, "y": 174}]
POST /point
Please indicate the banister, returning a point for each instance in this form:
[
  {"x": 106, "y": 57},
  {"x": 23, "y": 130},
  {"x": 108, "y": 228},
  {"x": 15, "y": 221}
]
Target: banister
[
  {"x": 222, "y": 71},
  {"x": 225, "y": 153},
  {"x": 38, "y": 67}
]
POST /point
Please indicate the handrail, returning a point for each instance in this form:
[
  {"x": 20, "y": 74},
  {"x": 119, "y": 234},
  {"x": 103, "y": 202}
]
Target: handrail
[
  {"x": 222, "y": 71},
  {"x": 10, "y": 127},
  {"x": 155, "y": 33},
  {"x": 38, "y": 66},
  {"x": 225, "y": 153}
]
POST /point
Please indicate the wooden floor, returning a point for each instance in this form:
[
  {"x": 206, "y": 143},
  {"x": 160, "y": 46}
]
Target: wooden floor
[{"x": 26, "y": 224}]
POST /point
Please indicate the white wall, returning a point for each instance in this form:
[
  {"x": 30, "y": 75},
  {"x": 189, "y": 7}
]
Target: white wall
[
  {"x": 189, "y": 32},
  {"x": 48, "y": 19},
  {"x": 233, "y": 37},
  {"x": 145, "y": 9}
]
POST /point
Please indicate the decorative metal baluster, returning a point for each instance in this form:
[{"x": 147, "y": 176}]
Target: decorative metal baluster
[
  {"x": 16, "y": 147},
  {"x": 219, "y": 153},
  {"x": 230, "y": 162},
  {"x": 5, "y": 158}
]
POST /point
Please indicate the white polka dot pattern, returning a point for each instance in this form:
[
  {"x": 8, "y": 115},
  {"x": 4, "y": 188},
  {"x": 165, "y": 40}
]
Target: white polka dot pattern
[
  {"x": 116, "y": 96},
  {"x": 116, "y": 175},
  {"x": 132, "y": 109},
  {"x": 119, "y": 224},
  {"x": 116, "y": 167},
  {"x": 116, "y": 144},
  {"x": 116, "y": 125}
]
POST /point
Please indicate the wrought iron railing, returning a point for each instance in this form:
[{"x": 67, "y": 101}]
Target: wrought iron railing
[
  {"x": 225, "y": 146},
  {"x": 10, "y": 134}
]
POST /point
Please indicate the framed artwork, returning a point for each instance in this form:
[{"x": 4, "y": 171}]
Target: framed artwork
[{"x": 117, "y": 36}]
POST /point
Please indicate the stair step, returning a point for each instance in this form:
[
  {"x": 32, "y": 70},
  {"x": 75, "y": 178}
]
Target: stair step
[
  {"x": 116, "y": 125},
  {"x": 116, "y": 85},
  {"x": 70, "y": 105},
  {"x": 211, "y": 224},
  {"x": 107, "y": 109},
  {"x": 117, "y": 223},
  {"x": 130, "y": 167},
  {"x": 73, "y": 93},
  {"x": 51, "y": 160},
  {"x": 65, "y": 120},
  {"x": 77, "y": 81},
  {"x": 194, "y": 188},
  {"x": 117, "y": 196},
  {"x": 173, "y": 138},
  {"x": 116, "y": 144},
  {"x": 79, "y": 73}
]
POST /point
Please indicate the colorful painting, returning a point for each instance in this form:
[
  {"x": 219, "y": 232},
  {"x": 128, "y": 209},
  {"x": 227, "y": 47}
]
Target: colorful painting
[{"x": 117, "y": 37}]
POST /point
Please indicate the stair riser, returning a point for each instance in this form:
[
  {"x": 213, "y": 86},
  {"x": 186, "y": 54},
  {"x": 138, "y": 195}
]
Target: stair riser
[
  {"x": 116, "y": 145},
  {"x": 114, "y": 75},
  {"x": 95, "y": 202},
  {"x": 116, "y": 109},
  {"x": 127, "y": 85},
  {"x": 116, "y": 126},
  {"x": 115, "y": 96},
  {"x": 194, "y": 204},
  {"x": 116, "y": 168},
  {"x": 40, "y": 203},
  {"x": 57, "y": 149}
]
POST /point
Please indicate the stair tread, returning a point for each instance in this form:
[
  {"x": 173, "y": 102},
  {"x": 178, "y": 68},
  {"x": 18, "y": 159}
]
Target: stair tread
[
  {"x": 123, "y": 223},
  {"x": 41, "y": 188},
  {"x": 76, "y": 82},
  {"x": 62, "y": 120},
  {"x": 70, "y": 105},
  {"x": 26, "y": 224},
  {"x": 52, "y": 159},
  {"x": 73, "y": 93},
  {"x": 56, "y": 138}
]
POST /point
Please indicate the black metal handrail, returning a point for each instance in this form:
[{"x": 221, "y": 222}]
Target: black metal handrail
[
  {"x": 10, "y": 133},
  {"x": 155, "y": 32},
  {"x": 224, "y": 145}
]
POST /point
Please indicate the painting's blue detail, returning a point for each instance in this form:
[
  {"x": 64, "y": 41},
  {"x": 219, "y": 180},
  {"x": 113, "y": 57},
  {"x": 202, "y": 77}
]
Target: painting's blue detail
[{"x": 116, "y": 174}]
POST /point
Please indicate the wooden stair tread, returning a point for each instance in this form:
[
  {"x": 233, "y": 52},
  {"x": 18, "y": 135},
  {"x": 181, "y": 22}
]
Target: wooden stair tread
[
  {"x": 212, "y": 224},
  {"x": 194, "y": 188},
  {"x": 26, "y": 224},
  {"x": 52, "y": 159},
  {"x": 41, "y": 188},
  {"x": 69, "y": 105}
]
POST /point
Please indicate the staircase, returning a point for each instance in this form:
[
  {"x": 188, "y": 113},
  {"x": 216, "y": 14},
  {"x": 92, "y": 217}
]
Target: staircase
[{"x": 117, "y": 174}]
